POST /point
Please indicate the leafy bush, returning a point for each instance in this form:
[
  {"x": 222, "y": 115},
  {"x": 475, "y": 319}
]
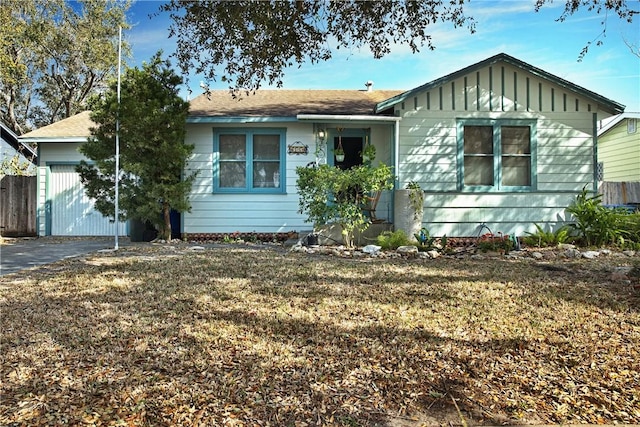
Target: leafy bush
[
  {"x": 393, "y": 239},
  {"x": 329, "y": 194},
  {"x": 598, "y": 225},
  {"x": 542, "y": 238},
  {"x": 490, "y": 242}
]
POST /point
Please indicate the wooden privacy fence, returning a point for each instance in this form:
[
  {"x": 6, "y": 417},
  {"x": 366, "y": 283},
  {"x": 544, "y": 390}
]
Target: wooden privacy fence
[
  {"x": 17, "y": 206},
  {"x": 620, "y": 193}
]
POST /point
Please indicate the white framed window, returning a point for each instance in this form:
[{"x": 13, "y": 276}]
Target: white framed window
[
  {"x": 496, "y": 155},
  {"x": 249, "y": 160},
  {"x": 632, "y": 125}
]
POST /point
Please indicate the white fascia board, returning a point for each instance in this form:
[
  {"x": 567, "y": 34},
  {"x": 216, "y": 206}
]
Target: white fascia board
[
  {"x": 617, "y": 119},
  {"x": 347, "y": 118},
  {"x": 47, "y": 139}
]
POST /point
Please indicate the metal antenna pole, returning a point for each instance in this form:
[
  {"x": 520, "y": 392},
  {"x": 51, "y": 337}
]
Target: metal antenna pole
[{"x": 117, "y": 208}]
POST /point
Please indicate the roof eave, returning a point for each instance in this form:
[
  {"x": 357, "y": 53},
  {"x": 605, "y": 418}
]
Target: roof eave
[
  {"x": 54, "y": 139},
  {"x": 240, "y": 119},
  {"x": 347, "y": 118}
]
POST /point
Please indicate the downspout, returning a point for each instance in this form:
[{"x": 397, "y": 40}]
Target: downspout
[
  {"x": 595, "y": 152},
  {"x": 39, "y": 205},
  {"x": 396, "y": 166},
  {"x": 396, "y": 152}
]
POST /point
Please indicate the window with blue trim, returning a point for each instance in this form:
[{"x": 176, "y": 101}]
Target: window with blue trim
[
  {"x": 496, "y": 155},
  {"x": 249, "y": 160}
]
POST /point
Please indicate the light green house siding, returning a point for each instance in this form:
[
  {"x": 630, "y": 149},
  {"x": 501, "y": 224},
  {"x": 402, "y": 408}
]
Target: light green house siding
[
  {"x": 563, "y": 140},
  {"x": 619, "y": 151},
  {"x": 222, "y": 212}
]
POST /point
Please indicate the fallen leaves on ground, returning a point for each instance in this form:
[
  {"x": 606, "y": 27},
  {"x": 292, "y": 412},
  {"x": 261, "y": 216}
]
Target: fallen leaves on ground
[{"x": 234, "y": 336}]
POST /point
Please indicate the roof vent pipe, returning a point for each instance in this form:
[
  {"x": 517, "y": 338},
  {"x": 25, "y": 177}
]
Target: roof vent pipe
[{"x": 369, "y": 85}]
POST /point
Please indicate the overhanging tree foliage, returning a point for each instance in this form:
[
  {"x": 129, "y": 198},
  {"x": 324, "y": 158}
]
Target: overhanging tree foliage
[
  {"x": 54, "y": 55},
  {"x": 247, "y": 43},
  {"x": 152, "y": 150},
  {"x": 257, "y": 41}
]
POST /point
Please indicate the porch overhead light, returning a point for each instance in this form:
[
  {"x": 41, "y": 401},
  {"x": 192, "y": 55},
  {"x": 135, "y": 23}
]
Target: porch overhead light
[{"x": 321, "y": 134}]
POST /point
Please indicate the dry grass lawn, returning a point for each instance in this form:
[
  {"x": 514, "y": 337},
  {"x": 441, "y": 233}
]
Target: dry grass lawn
[{"x": 238, "y": 336}]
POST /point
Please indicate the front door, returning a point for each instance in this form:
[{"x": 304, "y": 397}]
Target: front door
[{"x": 352, "y": 146}]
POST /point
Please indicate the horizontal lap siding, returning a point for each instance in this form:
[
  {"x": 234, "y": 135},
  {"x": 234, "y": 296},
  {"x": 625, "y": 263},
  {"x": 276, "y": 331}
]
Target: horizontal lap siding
[
  {"x": 462, "y": 214},
  {"x": 221, "y": 213},
  {"x": 428, "y": 149},
  {"x": 620, "y": 153}
]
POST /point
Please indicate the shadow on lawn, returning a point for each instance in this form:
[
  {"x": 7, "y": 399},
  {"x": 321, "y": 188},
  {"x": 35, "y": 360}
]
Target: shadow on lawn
[{"x": 167, "y": 341}]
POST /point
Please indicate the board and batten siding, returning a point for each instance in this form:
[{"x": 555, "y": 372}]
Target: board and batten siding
[
  {"x": 213, "y": 212},
  {"x": 428, "y": 150},
  {"x": 619, "y": 151},
  {"x": 63, "y": 207}
]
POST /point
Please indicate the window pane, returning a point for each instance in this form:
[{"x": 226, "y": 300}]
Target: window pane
[
  {"x": 516, "y": 171},
  {"x": 478, "y": 170},
  {"x": 233, "y": 147},
  {"x": 515, "y": 140},
  {"x": 266, "y": 174},
  {"x": 233, "y": 175},
  {"x": 478, "y": 140},
  {"x": 266, "y": 147}
]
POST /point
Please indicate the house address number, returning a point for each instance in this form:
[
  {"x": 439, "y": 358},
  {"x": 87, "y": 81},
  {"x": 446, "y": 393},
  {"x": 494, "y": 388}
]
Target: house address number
[{"x": 298, "y": 148}]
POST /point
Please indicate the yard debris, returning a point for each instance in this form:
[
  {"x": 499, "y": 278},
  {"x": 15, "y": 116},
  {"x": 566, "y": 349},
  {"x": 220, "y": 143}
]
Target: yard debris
[{"x": 239, "y": 336}]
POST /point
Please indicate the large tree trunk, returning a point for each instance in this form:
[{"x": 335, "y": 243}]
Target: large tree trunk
[{"x": 166, "y": 213}]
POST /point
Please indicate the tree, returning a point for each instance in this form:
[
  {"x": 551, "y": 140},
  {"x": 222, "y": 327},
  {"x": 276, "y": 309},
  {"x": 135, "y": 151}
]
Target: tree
[
  {"x": 600, "y": 7},
  {"x": 152, "y": 150},
  {"x": 254, "y": 42},
  {"x": 54, "y": 55}
]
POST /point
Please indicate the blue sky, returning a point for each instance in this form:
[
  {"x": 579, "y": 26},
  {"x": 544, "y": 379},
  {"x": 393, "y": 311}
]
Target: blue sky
[{"x": 509, "y": 26}]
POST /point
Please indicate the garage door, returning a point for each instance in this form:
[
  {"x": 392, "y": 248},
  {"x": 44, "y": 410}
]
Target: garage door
[{"x": 72, "y": 212}]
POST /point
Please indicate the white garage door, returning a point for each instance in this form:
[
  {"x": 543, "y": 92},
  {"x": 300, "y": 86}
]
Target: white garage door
[{"x": 72, "y": 212}]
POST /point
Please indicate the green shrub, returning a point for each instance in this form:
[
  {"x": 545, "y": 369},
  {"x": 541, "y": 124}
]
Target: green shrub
[
  {"x": 328, "y": 194},
  {"x": 542, "y": 238},
  {"x": 393, "y": 239},
  {"x": 490, "y": 242},
  {"x": 598, "y": 225}
]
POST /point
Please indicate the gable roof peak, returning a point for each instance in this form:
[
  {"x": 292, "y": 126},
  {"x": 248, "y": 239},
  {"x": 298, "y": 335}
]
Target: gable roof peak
[{"x": 608, "y": 104}]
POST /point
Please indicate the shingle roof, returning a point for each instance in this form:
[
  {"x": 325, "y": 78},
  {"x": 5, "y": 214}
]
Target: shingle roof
[
  {"x": 72, "y": 127},
  {"x": 288, "y": 103}
]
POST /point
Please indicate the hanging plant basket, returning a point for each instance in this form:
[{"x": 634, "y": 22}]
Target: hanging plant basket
[{"x": 339, "y": 151}]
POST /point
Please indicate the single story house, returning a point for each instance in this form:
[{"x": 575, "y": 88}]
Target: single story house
[
  {"x": 498, "y": 144},
  {"x": 619, "y": 148}
]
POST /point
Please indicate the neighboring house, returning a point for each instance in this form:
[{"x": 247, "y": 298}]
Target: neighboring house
[
  {"x": 10, "y": 146},
  {"x": 498, "y": 144},
  {"x": 63, "y": 207},
  {"x": 619, "y": 148}
]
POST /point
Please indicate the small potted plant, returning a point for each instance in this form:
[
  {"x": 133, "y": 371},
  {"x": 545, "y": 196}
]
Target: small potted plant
[
  {"x": 339, "y": 153},
  {"x": 368, "y": 153}
]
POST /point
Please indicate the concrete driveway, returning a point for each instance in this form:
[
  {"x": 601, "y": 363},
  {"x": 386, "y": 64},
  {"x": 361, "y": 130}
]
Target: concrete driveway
[{"x": 19, "y": 254}]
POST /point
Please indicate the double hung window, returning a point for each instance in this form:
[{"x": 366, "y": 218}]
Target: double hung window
[
  {"x": 497, "y": 155},
  {"x": 249, "y": 160}
]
